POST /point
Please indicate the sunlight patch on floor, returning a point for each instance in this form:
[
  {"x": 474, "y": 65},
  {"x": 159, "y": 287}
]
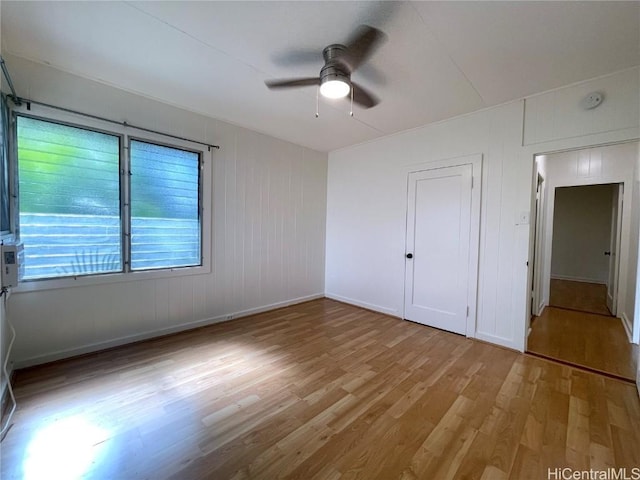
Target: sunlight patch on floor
[{"x": 66, "y": 448}]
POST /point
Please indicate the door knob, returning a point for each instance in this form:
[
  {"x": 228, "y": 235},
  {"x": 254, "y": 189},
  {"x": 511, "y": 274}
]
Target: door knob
[
  {"x": 409, "y": 255},
  {"x": 607, "y": 253}
]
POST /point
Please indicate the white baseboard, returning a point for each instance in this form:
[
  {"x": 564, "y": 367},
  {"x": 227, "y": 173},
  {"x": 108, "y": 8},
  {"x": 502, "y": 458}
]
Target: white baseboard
[
  {"x": 578, "y": 279},
  {"x": 626, "y": 323},
  {"x": 368, "y": 306},
  {"x": 116, "y": 342}
]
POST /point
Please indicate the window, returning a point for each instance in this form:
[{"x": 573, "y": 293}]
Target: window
[
  {"x": 165, "y": 220},
  {"x": 80, "y": 214},
  {"x": 69, "y": 187}
]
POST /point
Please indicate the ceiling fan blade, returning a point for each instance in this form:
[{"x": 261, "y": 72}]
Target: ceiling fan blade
[
  {"x": 374, "y": 76},
  {"x": 363, "y": 97},
  {"x": 292, "y": 82},
  {"x": 298, "y": 57},
  {"x": 362, "y": 44}
]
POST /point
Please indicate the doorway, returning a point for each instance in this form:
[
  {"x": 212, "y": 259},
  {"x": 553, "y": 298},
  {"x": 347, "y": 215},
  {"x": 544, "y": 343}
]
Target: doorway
[
  {"x": 583, "y": 274},
  {"x": 586, "y": 233}
]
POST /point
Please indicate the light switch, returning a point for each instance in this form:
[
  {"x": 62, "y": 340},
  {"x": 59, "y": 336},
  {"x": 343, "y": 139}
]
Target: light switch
[{"x": 523, "y": 218}]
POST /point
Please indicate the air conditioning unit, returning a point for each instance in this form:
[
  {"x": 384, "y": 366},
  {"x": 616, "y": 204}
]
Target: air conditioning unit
[{"x": 11, "y": 260}]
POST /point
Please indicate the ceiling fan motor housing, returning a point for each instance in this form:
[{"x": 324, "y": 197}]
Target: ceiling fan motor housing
[
  {"x": 334, "y": 72},
  {"x": 334, "y": 68},
  {"x": 333, "y": 52}
]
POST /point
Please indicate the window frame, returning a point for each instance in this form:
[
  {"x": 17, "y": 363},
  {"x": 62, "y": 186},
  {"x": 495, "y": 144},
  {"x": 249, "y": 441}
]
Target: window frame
[
  {"x": 6, "y": 173},
  {"x": 126, "y": 134},
  {"x": 121, "y": 198}
]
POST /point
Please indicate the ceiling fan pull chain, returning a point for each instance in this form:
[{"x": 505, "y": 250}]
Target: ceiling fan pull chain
[
  {"x": 318, "y": 101},
  {"x": 351, "y": 109}
]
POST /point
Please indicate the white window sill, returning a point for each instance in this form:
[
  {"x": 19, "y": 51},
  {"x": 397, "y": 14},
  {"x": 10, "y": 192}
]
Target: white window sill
[{"x": 108, "y": 278}]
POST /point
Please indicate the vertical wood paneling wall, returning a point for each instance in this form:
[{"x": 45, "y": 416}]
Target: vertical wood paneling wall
[
  {"x": 367, "y": 191},
  {"x": 366, "y": 215},
  {"x": 268, "y": 230},
  {"x": 557, "y": 115}
]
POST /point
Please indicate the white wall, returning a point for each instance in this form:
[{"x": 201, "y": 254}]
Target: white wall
[
  {"x": 366, "y": 215},
  {"x": 268, "y": 229},
  {"x": 367, "y": 188},
  {"x": 582, "y": 233},
  {"x": 556, "y": 116}
]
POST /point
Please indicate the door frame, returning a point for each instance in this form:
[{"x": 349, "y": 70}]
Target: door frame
[
  {"x": 475, "y": 161},
  {"x": 613, "y": 277},
  {"x": 537, "y": 251}
]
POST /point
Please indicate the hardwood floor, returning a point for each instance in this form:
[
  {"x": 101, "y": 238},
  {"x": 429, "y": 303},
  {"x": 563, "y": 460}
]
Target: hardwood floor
[
  {"x": 320, "y": 390},
  {"x": 582, "y": 296},
  {"x": 585, "y": 339}
]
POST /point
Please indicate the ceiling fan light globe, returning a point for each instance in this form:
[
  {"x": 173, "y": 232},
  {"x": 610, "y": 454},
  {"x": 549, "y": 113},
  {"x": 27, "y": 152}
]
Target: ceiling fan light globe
[{"x": 335, "y": 89}]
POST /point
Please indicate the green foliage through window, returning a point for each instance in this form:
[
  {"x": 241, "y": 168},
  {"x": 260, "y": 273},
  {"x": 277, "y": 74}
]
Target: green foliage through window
[
  {"x": 69, "y": 187},
  {"x": 70, "y": 197}
]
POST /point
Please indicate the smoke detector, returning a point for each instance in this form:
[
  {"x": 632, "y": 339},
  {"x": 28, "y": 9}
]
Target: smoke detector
[{"x": 592, "y": 100}]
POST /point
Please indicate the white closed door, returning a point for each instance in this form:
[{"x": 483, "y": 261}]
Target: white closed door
[{"x": 438, "y": 245}]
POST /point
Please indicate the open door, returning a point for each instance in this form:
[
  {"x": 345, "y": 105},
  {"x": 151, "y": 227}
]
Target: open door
[
  {"x": 614, "y": 248},
  {"x": 536, "y": 292}
]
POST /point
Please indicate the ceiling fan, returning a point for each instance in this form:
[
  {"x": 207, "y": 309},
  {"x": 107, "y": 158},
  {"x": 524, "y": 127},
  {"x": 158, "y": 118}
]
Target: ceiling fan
[{"x": 340, "y": 61}]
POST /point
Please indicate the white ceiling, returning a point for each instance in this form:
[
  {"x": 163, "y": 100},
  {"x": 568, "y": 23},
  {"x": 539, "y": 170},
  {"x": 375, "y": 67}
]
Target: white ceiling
[{"x": 441, "y": 59}]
